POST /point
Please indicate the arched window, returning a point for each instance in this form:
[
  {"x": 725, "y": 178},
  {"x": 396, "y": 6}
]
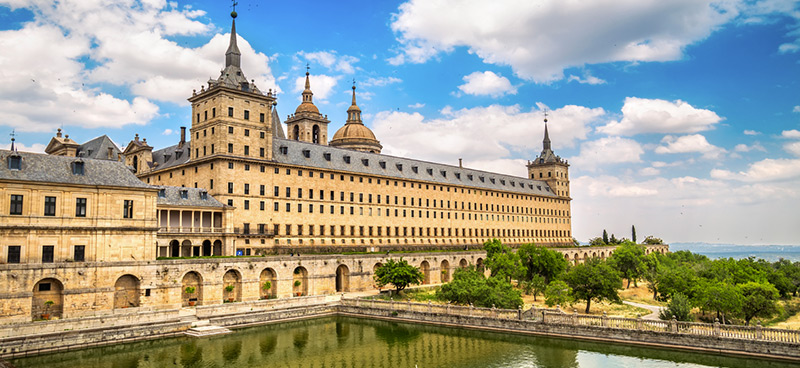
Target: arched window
[
  {"x": 315, "y": 134},
  {"x": 296, "y": 133},
  {"x": 135, "y": 164}
]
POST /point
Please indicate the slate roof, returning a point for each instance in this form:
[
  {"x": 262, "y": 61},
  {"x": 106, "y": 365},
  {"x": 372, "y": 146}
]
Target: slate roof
[
  {"x": 98, "y": 149},
  {"x": 401, "y": 168},
  {"x": 42, "y": 168},
  {"x": 171, "y": 156},
  {"x": 172, "y": 197}
]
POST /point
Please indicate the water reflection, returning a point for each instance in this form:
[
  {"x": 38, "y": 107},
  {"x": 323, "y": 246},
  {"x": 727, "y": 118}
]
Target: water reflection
[{"x": 349, "y": 342}]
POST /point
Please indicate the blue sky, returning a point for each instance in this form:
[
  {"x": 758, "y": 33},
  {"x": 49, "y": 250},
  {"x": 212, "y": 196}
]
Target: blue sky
[{"x": 680, "y": 117}]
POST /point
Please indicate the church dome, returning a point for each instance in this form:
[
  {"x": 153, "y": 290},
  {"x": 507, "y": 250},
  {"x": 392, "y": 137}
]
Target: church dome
[
  {"x": 307, "y": 107},
  {"x": 357, "y": 131},
  {"x": 354, "y": 134}
]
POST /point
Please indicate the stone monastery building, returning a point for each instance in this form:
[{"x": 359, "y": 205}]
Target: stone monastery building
[{"x": 92, "y": 228}]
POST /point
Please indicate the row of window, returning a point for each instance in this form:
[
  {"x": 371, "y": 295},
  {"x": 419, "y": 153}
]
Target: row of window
[
  {"x": 17, "y": 201},
  {"x": 15, "y": 253},
  {"x": 246, "y": 115},
  {"x": 398, "y": 231}
]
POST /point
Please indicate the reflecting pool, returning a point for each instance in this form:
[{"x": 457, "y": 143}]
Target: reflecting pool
[{"x": 354, "y": 342}]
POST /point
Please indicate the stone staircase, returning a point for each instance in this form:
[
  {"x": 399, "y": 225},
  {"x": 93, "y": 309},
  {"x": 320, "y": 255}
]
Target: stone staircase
[{"x": 200, "y": 328}]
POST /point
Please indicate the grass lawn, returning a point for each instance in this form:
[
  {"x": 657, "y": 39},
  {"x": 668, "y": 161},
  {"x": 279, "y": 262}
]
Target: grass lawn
[{"x": 640, "y": 295}]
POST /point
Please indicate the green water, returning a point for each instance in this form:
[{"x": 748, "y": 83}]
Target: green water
[{"x": 353, "y": 342}]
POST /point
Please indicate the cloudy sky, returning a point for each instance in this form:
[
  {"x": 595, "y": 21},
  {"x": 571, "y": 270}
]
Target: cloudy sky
[{"x": 681, "y": 117}]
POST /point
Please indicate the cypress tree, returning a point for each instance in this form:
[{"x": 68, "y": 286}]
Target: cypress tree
[
  {"x": 633, "y": 233},
  {"x": 605, "y": 236}
]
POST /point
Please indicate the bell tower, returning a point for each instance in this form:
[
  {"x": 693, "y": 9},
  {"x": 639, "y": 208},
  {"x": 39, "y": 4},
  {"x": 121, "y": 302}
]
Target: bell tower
[
  {"x": 550, "y": 168},
  {"x": 307, "y": 124}
]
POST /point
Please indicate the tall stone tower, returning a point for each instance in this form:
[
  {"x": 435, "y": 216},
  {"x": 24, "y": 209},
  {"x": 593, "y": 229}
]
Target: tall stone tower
[
  {"x": 307, "y": 124},
  {"x": 354, "y": 134},
  {"x": 550, "y": 168},
  {"x": 232, "y": 117}
]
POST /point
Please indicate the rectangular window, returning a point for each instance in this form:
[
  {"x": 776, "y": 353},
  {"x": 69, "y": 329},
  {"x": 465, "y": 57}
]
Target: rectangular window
[
  {"x": 261, "y": 190},
  {"x": 230, "y": 188},
  {"x": 261, "y": 151},
  {"x": 230, "y": 147},
  {"x": 247, "y": 189},
  {"x": 276, "y": 207},
  {"x": 246, "y": 204},
  {"x": 230, "y": 113},
  {"x": 47, "y": 254},
  {"x": 246, "y": 150},
  {"x": 80, "y": 253},
  {"x": 213, "y": 114},
  {"x": 14, "y": 252},
  {"x": 261, "y": 119},
  {"x": 49, "y": 206},
  {"x": 127, "y": 209},
  {"x": 246, "y": 117},
  {"x": 80, "y": 207},
  {"x": 277, "y": 191}
]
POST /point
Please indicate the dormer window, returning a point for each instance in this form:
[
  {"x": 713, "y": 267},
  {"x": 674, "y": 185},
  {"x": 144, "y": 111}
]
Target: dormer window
[
  {"x": 184, "y": 194},
  {"x": 178, "y": 154},
  {"x": 513, "y": 184},
  {"x": 284, "y": 150},
  {"x": 430, "y": 171},
  {"x": 382, "y": 163},
  {"x": 469, "y": 176},
  {"x": 365, "y": 161},
  {"x": 482, "y": 179},
  {"x": 539, "y": 187},
  {"x": 162, "y": 193},
  {"x": 77, "y": 168},
  {"x": 15, "y": 162},
  {"x": 444, "y": 173},
  {"x": 306, "y": 153},
  {"x": 346, "y": 159},
  {"x": 327, "y": 156},
  {"x": 414, "y": 169},
  {"x": 491, "y": 180},
  {"x": 204, "y": 195},
  {"x": 502, "y": 182},
  {"x": 400, "y": 167},
  {"x": 458, "y": 176}
]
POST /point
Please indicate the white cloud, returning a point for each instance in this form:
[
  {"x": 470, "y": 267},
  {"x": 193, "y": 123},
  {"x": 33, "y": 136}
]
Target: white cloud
[
  {"x": 321, "y": 85},
  {"x": 793, "y": 148},
  {"x": 380, "y": 82},
  {"x": 587, "y": 79},
  {"x": 605, "y": 151},
  {"x": 650, "y": 171},
  {"x": 417, "y": 105},
  {"x": 487, "y": 84},
  {"x": 751, "y": 132},
  {"x": 796, "y": 109},
  {"x": 36, "y": 147},
  {"x": 167, "y": 132},
  {"x": 542, "y": 38},
  {"x": 763, "y": 171},
  {"x": 642, "y": 115},
  {"x": 689, "y": 144},
  {"x": 791, "y": 134},
  {"x": 745, "y": 148},
  {"x": 480, "y": 134},
  {"x": 332, "y": 61}
]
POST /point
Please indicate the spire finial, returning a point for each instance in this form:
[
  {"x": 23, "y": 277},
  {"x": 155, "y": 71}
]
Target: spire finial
[
  {"x": 233, "y": 56},
  {"x": 354, "y": 92},
  {"x": 546, "y": 141},
  {"x": 13, "y": 135},
  {"x": 233, "y": 6},
  {"x": 545, "y": 115}
]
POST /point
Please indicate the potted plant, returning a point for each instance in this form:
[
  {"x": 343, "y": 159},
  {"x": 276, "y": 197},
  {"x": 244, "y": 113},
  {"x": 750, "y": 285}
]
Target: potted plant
[
  {"x": 297, "y": 284},
  {"x": 266, "y": 286},
  {"x": 46, "y": 314},
  {"x": 190, "y": 290},
  {"x": 229, "y": 289}
]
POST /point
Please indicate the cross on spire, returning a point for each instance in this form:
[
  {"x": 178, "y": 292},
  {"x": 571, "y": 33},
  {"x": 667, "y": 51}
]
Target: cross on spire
[
  {"x": 233, "y": 5},
  {"x": 545, "y": 115},
  {"x": 13, "y": 135}
]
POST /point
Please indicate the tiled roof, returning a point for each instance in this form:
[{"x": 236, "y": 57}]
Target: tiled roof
[
  {"x": 171, "y": 196},
  {"x": 98, "y": 149},
  {"x": 171, "y": 156},
  {"x": 44, "y": 168},
  {"x": 331, "y": 158}
]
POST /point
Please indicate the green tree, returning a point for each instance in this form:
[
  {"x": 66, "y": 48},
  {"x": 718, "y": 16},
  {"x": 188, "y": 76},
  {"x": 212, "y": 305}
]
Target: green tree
[
  {"x": 398, "y": 273},
  {"x": 633, "y": 233},
  {"x": 613, "y": 240},
  {"x": 676, "y": 279},
  {"x": 605, "y": 236},
  {"x": 651, "y": 240},
  {"x": 470, "y": 286},
  {"x": 651, "y": 271},
  {"x": 758, "y": 300},
  {"x": 628, "y": 259},
  {"x": 791, "y": 271},
  {"x": 723, "y": 298},
  {"x": 594, "y": 280},
  {"x": 558, "y": 293},
  {"x": 535, "y": 286},
  {"x": 596, "y": 241},
  {"x": 541, "y": 261},
  {"x": 680, "y": 307},
  {"x": 502, "y": 261}
]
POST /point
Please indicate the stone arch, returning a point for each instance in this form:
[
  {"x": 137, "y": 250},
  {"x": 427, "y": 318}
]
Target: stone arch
[
  {"x": 315, "y": 134},
  {"x": 603, "y": 255},
  {"x": 194, "y": 280},
  {"x": 126, "y": 292},
  {"x": 342, "y": 278},
  {"x": 479, "y": 264},
  {"x": 300, "y": 274},
  {"x": 463, "y": 263},
  {"x": 445, "y": 270},
  {"x": 232, "y": 286},
  {"x": 268, "y": 275},
  {"x": 207, "y": 251},
  {"x": 217, "y": 248},
  {"x": 135, "y": 164},
  {"x": 585, "y": 256},
  {"x": 174, "y": 248},
  {"x": 375, "y": 267},
  {"x": 594, "y": 254},
  {"x": 426, "y": 272},
  {"x": 186, "y": 248},
  {"x": 296, "y": 133},
  {"x": 46, "y": 291}
]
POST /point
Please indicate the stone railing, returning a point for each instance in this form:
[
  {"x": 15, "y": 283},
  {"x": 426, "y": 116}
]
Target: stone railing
[{"x": 557, "y": 317}]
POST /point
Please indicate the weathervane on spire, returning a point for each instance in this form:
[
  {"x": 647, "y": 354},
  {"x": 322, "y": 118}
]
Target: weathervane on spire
[
  {"x": 233, "y": 6},
  {"x": 354, "y": 83},
  {"x": 13, "y": 135},
  {"x": 545, "y": 115},
  {"x": 307, "y": 68}
]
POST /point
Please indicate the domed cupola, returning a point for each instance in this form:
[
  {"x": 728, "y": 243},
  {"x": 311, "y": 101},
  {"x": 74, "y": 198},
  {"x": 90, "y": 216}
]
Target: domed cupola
[
  {"x": 354, "y": 134},
  {"x": 307, "y": 124}
]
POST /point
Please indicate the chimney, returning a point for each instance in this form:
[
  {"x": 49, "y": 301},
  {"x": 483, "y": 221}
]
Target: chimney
[
  {"x": 459, "y": 163},
  {"x": 183, "y": 137}
]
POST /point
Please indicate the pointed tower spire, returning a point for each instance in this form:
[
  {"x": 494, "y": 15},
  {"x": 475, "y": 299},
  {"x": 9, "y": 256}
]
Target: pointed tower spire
[
  {"x": 307, "y": 94},
  {"x": 233, "y": 57},
  {"x": 546, "y": 141},
  {"x": 13, "y": 134},
  {"x": 354, "y": 113}
]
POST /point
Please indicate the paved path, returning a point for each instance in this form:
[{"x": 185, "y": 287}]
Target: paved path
[{"x": 652, "y": 308}]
